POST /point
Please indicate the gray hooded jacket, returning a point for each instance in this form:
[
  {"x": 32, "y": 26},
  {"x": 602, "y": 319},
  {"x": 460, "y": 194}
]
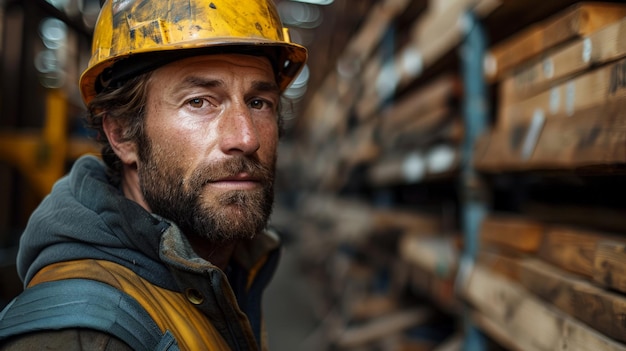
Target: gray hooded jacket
[{"x": 86, "y": 217}]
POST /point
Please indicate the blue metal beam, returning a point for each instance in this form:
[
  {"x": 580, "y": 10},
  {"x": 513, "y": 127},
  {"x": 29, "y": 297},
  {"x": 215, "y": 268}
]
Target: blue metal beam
[{"x": 473, "y": 202}]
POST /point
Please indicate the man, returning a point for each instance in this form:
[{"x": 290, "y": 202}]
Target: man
[{"x": 185, "y": 97}]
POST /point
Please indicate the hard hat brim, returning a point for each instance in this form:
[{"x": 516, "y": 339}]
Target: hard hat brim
[{"x": 288, "y": 59}]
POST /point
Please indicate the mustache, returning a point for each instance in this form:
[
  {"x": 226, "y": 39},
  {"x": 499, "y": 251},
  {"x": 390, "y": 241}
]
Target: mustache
[{"x": 231, "y": 167}]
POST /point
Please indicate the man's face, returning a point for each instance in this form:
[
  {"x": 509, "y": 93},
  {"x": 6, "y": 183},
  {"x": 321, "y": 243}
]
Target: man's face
[{"x": 208, "y": 152}]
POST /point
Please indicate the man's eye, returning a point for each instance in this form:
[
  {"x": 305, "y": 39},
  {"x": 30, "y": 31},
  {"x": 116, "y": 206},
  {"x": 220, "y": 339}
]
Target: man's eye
[
  {"x": 258, "y": 104},
  {"x": 196, "y": 103}
]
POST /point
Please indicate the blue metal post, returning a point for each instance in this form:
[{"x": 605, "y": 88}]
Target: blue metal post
[{"x": 472, "y": 51}]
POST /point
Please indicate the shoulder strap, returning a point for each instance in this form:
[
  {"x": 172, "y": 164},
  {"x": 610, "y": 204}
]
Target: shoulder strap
[{"x": 84, "y": 303}]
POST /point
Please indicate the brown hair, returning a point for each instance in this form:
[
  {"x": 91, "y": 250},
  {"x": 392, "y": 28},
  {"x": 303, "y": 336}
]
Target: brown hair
[{"x": 126, "y": 104}]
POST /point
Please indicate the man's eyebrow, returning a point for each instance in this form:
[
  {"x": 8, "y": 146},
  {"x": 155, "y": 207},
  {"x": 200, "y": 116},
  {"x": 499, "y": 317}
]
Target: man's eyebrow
[
  {"x": 193, "y": 81},
  {"x": 266, "y": 86}
]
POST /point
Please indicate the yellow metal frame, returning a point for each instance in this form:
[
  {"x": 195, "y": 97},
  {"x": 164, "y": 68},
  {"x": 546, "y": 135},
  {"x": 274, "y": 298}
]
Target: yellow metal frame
[{"x": 41, "y": 156}]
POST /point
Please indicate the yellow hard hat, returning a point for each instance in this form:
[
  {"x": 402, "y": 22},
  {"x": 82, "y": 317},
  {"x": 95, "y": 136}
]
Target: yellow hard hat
[{"x": 136, "y": 36}]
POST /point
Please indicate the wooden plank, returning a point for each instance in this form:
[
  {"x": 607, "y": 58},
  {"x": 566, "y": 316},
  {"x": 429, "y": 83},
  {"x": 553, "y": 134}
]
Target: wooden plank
[
  {"x": 576, "y": 21},
  {"x": 572, "y": 249},
  {"x": 592, "y": 89},
  {"x": 369, "y": 307},
  {"x": 356, "y": 220},
  {"x": 370, "y": 33},
  {"x": 498, "y": 150},
  {"x": 496, "y": 331},
  {"x": 608, "y": 43},
  {"x": 440, "y": 161},
  {"x": 602, "y": 310},
  {"x": 441, "y": 125},
  {"x": 609, "y": 267},
  {"x": 435, "y": 96},
  {"x": 418, "y": 54},
  {"x": 438, "y": 255},
  {"x": 383, "y": 326},
  {"x": 368, "y": 102},
  {"x": 446, "y": 24},
  {"x": 339, "y": 88},
  {"x": 501, "y": 261},
  {"x": 531, "y": 323},
  {"x": 326, "y": 113},
  {"x": 591, "y": 137},
  {"x": 360, "y": 146},
  {"x": 517, "y": 233}
]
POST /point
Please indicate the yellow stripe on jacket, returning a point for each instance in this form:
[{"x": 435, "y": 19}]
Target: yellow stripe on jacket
[{"x": 169, "y": 309}]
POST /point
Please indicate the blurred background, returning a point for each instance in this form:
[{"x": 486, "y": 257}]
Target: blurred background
[{"x": 449, "y": 178}]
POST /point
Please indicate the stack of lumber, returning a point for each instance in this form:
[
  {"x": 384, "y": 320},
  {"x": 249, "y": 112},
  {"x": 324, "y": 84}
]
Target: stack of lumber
[
  {"x": 377, "y": 100},
  {"x": 433, "y": 265},
  {"x": 384, "y": 119},
  {"x": 442, "y": 20},
  {"x": 540, "y": 286},
  {"x": 379, "y": 143},
  {"x": 419, "y": 136},
  {"x": 561, "y": 93},
  {"x": 363, "y": 260}
]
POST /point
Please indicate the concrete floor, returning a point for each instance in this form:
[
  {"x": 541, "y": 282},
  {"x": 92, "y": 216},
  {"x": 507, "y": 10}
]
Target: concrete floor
[{"x": 291, "y": 324}]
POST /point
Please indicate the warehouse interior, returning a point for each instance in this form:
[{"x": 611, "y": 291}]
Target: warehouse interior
[{"x": 448, "y": 178}]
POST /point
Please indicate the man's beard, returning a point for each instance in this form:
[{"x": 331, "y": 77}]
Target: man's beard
[{"x": 218, "y": 217}]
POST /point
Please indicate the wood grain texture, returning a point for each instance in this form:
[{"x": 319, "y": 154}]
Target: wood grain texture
[
  {"x": 593, "y": 137},
  {"x": 576, "y": 21},
  {"x": 592, "y": 89},
  {"x": 515, "y": 233},
  {"x": 600, "y": 309},
  {"x": 608, "y": 43},
  {"x": 609, "y": 267},
  {"x": 572, "y": 249},
  {"x": 527, "y": 321}
]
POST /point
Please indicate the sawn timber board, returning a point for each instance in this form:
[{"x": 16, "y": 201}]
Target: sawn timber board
[
  {"x": 529, "y": 323},
  {"x": 602, "y": 46},
  {"x": 575, "y": 21}
]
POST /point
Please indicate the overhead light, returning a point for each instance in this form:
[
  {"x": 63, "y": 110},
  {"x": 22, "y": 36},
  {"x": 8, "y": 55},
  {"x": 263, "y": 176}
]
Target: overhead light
[
  {"x": 300, "y": 15},
  {"x": 316, "y": 2}
]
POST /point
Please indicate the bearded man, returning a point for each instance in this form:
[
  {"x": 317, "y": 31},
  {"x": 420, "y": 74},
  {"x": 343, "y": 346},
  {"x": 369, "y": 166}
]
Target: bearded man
[{"x": 185, "y": 97}]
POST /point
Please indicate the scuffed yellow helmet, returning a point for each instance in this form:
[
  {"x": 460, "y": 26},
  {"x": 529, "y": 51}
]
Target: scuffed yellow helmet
[{"x": 136, "y": 36}]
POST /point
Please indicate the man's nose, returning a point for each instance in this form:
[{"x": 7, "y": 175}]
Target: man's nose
[{"x": 238, "y": 132}]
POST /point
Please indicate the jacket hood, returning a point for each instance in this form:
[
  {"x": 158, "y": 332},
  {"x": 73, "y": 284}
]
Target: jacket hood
[{"x": 86, "y": 217}]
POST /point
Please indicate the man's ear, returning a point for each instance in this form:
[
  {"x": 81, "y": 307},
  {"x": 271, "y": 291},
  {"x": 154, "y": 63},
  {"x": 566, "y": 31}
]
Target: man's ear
[{"x": 126, "y": 150}]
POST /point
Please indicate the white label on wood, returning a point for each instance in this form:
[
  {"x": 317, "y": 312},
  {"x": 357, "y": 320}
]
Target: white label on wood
[
  {"x": 387, "y": 80},
  {"x": 587, "y": 49},
  {"x": 555, "y": 100},
  {"x": 412, "y": 62},
  {"x": 464, "y": 23},
  {"x": 570, "y": 97},
  {"x": 532, "y": 135},
  {"x": 414, "y": 168},
  {"x": 490, "y": 65},
  {"x": 441, "y": 158},
  {"x": 548, "y": 68}
]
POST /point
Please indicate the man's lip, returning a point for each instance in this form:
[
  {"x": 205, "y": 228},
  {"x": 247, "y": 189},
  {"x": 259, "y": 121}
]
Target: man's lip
[
  {"x": 239, "y": 181},
  {"x": 242, "y": 177}
]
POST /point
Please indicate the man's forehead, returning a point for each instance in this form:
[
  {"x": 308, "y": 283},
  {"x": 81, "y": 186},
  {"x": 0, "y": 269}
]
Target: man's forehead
[
  {"x": 220, "y": 61},
  {"x": 219, "y": 70}
]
